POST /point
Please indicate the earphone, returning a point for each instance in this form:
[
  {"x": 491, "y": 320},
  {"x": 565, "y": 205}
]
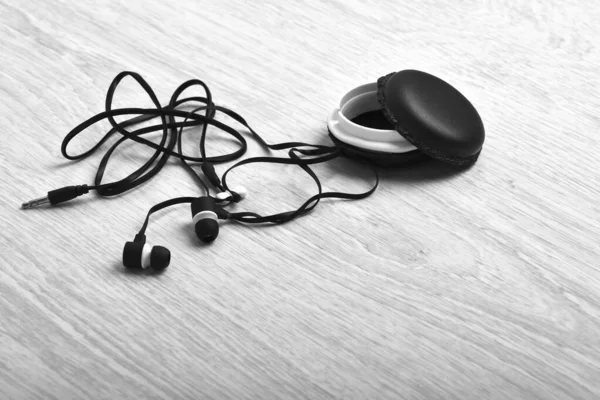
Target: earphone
[
  {"x": 205, "y": 218},
  {"x": 140, "y": 255},
  {"x": 356, "y": 128}
]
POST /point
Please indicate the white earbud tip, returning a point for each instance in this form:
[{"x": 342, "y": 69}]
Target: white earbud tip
[{"x": 222, "y": 196}]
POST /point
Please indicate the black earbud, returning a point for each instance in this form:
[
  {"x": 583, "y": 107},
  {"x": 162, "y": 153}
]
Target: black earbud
[
  {"x": 140, "y": 255},
  {"x": 204, "y": 216}
]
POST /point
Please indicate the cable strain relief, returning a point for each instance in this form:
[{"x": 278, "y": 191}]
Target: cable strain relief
[
  {"x": 209, "y": 171},
  {"x": 81, "y": 189},
  {"x": 221, "y": 213},
  {"x": 140, "y": 237},
  {"x": 235, "y": 197}
]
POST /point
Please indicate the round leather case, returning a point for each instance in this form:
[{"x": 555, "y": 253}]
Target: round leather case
[{"x": 407, "y": 116}]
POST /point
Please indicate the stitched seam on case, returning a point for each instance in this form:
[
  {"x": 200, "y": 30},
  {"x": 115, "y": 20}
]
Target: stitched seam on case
[{"x": 381, "y": 82}]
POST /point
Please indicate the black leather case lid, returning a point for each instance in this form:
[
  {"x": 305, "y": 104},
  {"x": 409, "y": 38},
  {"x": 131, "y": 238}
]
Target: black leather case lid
[{"x": 432, "y": 115}]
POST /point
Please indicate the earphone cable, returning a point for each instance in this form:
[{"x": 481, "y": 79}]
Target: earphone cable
[{"x": 171, "y": 131}]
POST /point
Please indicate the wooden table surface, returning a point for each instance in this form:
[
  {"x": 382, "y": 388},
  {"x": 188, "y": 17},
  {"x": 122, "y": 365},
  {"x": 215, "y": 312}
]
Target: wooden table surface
[{"x": 478, "y": 285}]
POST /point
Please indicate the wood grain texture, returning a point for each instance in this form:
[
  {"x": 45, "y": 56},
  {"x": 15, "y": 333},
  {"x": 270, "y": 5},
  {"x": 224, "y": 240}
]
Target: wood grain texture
[{"x": 480, "y": 285}]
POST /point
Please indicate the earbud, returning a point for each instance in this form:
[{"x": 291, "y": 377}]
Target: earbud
[
  {"x": 204, "y": 216},
  {"x": 223, "y": 197},
  {"x": 140, "y": 255},
  {"x": 237, "y": 194}
]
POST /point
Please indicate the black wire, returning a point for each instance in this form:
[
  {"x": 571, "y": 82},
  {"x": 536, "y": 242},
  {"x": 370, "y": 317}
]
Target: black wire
[
  {"x": 301, "y": 154},
  {"x": 311, "y": 203},
  {"x": 163, "y": 205},
  {"x": 179, "y": 141}
]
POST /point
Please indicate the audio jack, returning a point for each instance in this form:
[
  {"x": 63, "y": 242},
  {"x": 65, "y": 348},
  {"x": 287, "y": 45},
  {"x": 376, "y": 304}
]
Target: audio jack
[{"x": 57, "y": 196}]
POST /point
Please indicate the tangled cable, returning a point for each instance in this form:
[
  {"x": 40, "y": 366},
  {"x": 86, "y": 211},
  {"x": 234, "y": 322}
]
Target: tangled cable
[{"x": 299, "y": 153}]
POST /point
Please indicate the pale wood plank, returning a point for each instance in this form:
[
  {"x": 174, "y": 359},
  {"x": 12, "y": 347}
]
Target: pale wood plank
[{"x": 478, "y": 285}]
